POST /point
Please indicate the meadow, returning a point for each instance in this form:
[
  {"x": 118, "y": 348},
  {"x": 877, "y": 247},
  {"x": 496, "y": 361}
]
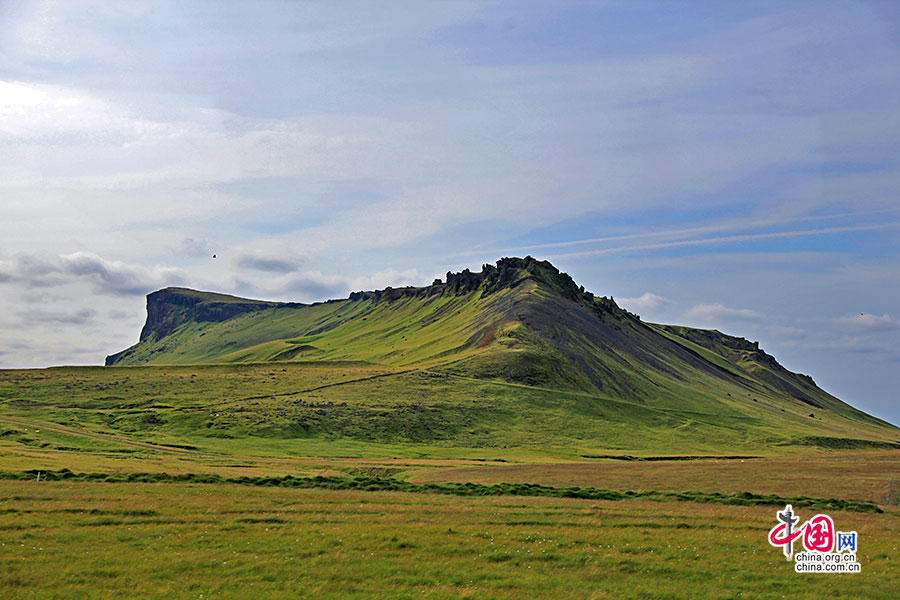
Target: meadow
[
  {"x": 114, "y": 540},
  {"x": 353, "y": 480},
  {"x": 360, "y": 410}
]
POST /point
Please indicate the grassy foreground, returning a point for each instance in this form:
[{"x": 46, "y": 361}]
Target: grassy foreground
[
  {"x": 351, "y": 480},
  {"x": 109, "y": 540}
]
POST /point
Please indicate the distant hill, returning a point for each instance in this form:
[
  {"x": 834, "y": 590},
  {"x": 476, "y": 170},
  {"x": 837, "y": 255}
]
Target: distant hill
[{"x": 521, "y": 322}]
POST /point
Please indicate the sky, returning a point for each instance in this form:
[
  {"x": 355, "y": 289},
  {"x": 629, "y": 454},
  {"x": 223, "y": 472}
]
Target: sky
[{"x": 728, "y": 165}]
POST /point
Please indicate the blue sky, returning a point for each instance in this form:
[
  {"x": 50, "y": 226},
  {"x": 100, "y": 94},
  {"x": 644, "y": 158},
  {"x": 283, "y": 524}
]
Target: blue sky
[{"x": 724, "y": 165}]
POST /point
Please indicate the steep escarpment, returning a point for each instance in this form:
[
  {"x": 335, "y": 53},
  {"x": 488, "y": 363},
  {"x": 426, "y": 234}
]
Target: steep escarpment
[
  {"x": 169, "y": 308},
  {"x": 172, "y": 308}
]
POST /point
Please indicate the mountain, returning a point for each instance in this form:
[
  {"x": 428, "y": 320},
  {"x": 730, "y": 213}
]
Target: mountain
[{"x": 523, "y": 323}]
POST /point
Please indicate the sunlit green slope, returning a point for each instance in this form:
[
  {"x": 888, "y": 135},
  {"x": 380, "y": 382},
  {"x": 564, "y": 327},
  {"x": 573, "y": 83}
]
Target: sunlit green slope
[{"x": 520, "y": 323}]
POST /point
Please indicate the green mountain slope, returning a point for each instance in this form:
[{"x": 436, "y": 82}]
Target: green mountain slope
[{"x": 524, "y": 325}]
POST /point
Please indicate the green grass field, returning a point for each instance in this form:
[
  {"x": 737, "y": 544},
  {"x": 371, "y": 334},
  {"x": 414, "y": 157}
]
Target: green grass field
[
  {"x": 356, "y": 410},
  {"x": 689, "y": 528},
  {"x": 108, "y": 540}
]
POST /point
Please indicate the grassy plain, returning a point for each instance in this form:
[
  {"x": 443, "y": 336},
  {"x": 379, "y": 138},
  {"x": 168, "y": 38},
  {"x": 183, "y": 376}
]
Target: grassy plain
[
  {"x": 84, "y": 539},
  {"x": 107, "y": 540},
  {"x": 361, "y": 410},
  {"x": 850, "y": 475}
]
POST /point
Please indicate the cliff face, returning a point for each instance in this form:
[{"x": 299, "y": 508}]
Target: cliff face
[
  {"x": 169, "y": 308},
  {"x": 172, "y": 307}
]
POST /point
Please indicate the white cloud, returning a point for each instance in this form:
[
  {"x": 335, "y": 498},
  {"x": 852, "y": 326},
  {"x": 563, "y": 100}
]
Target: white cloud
[
  {"x": 387, "y": 278},
  {"x": 317, "y": 286},
  {"x": 647, "y": 304},
  {"x": 690, "y": 235},
  {"x": 191, "y": 248},
  {"x": 105, "y": 276},
  {"x": 713, "y": 314},
  {"x": 121, "y": 314},
  {"x": 312, "y": 285},
  {"x": 79, "y": 139},
  {"x": 85, "y": 316},
  {"x": 80, "y": 157},
  {"x": 267, "y": 263},
  {"x": 734, "y": 239},
  {"x": 53, "y": 31},
  {"x": 790, "y": 333},
  {"x": 867, "y": 323},
  {"x": 859, "y": 345}
]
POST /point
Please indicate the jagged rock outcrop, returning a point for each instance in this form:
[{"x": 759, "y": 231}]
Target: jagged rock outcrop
[{"x": 507, "y": 273}]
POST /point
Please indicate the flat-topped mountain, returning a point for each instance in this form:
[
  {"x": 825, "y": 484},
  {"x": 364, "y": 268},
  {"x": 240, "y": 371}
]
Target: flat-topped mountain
[
  {"x": 520, "y": 322},
  {"x": 173, "y": 312}
]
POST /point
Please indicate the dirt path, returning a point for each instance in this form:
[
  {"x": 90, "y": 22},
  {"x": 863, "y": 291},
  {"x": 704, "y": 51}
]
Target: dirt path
[{"x": 328, "y": 385}]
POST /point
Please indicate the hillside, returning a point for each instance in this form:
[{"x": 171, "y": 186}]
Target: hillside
[{"x": 523, "y": 324}]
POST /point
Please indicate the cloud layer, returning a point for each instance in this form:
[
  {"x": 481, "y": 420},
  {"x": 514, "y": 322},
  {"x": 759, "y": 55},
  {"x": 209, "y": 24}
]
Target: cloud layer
[
  {"x": 869, "y": 323},
  {"x": 104, "y": 276},
  {"x": 647, "y": 304},
  {"x": 718, "y": 314}
]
